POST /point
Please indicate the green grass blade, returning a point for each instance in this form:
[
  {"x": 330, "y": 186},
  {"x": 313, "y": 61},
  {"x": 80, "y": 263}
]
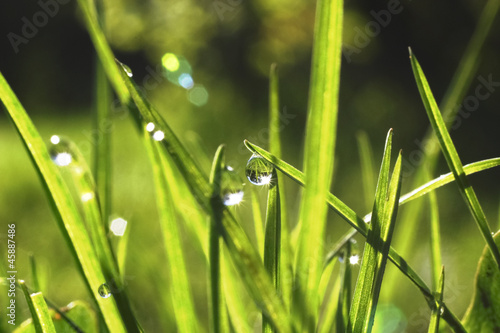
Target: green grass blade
[
  {"x": 318, "y": 157},
  {"x": 39, "y": 311},
  {"x": 436, "y": 311},
  {"x": 452, "y": 158},
  {"x": 344, "y": 299},
  {"x": 436, "y": 266},
  {"x": 275, "y": 148},
  {"x": 218, "y": 307},
  {"x": 377, "y": 245},
  {"x": 367, "y": 168},
  {"x": 34, "y": 273},
  {"x": 330, "y": 311},
  {"x": 272, "y": 246},
  {"x": 65, "y": 209},
  {"x": 483, "y": 314},
  {"x": 258, "y": 223}
]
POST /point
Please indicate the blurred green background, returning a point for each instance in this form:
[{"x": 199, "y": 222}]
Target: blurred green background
[{"x": 229, "y": 46}]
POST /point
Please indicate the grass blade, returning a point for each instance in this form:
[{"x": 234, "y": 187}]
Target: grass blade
[
  {"x": 377, "y": 245},
  {"x": 34, "y": 273},
  {"x": 436, "y": 266},
  {"x": 318, "y": 158},
  {"x": 367, "y": 168},
  {"x": 344, "y": 299},
  {"x": 330, "y": 311},
  {"x": 65, "y": 209},
  {"x": 272, "y": 247},
  {"x": 436, "y": 311},
  {"x": 452, "y": 158},
  {"x": 258, "y": 223},
  {"x": 39, "y": 311}
]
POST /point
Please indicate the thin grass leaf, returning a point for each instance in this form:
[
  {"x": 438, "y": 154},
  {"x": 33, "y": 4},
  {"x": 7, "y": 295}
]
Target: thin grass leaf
[
  {"x": 436, "y": 265},
  {"x": 275, "y": 148},
  {"x": 257, "y": 221},
  {"x": 182, "y": 299},
  {"x": 344, "y": 299},
  {"x": 64, "y": 207},
  {"x": 436, "y": 311},
  {"x": 329, "y": 314},
  {"x": 39, "y": 311},
  {"x": 34, "y": 273},
  {"x": 272, "y": 246},
  {"x": 483, "y": 313},
  {"x": 318, "y": 158},
  {"x": 367, "y": 168},
  {"x": 452, "y": 158}
]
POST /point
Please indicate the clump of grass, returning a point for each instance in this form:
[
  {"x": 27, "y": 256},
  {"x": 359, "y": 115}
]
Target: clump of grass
[{"x": 288, "y": 284}]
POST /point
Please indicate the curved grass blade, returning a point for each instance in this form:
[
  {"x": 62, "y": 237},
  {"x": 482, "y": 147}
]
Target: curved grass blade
[
  {"x": 64, "y": 207},
  {"x": 452, "y": 158},
  {"x": 275, "y": 148},
  {"x": 39, "y": 311},
  {"x": 435, "y": 240},
  {"x": 318, "y": 158},
  {"x": 367, "y": 168},
  {"x": 436, "y": 311},
  {"x": 218, "y": 307},
  {"x": 377, "y": 245},
  {"x": 483, "y": 314},
  {"x": 272, "y": 246}
]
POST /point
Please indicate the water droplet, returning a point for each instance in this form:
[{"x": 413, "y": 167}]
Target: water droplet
[
  {"x": 55, "y": 139},
  {"x": 118, "y": 226},
  {"x": 341, "y": 257},
  {"x": 128, "y": 71},
  {"x": 354, "y": 259},
  {"x": 259, "y": 171},
  {"x": 231, "y": 187},
  {"x": 104, "y": 291},
  {"x": 150, "y": 127},
  {"x": 158, "y": 135},
  {"x": 87, "y": 196},
  {"x": 441, "y": 310},
  {"x": 60, "y": 151}
]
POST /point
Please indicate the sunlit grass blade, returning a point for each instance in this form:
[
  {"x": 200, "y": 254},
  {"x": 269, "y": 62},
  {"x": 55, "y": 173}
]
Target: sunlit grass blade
[
  {"x": 257, "y": 221},
  {"x": 330, "y": 311},
  {"x": 367, "y": 168},
  {"x": 65, "y": 209},
  {"x": 39, "y": 311},
  {"x": 218, "y": 317},
  {"x": 344, "y": 299},
  {"x": 452, "y": 158},
  {"x": 483, "y": 313},
  {"x": 272, "y": 245},
  {"x": 436, "y": 311},
  {"x": 435, "y": 241},
  {"x": 275, "y": 126},
  {"x": 319, "y": 153},
  {"x": 182, "y": 299},
  {"x": 377, "y": 245}
]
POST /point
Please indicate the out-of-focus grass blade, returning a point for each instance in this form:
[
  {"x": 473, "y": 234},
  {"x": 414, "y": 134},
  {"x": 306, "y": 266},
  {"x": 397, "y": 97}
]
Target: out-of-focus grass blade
[
  {"x": 180, "y": 292},
  {"x": 483, "y": 314},
  {"x": 377, "y": 245},
  {"x": 218, "y": 308},
  {"x": 451, "y": 156},
  {"x": 344, "y": 299},
  {"x": 367, "y": 168},
  {"x": 39, "y": 311},
  {"x": 318, "y": 158},
  {"x": 272, "y": 245},
  {"x": 436, "y": 266},
  {"x": 286, "y": 269},
  {"x": 34, "y": 273},
  {"x": 258, "y": 223},
  {"x": 330, "y": 311},
  {"x": 436, "y": 311},
  {"x": 65, "y": 209}
]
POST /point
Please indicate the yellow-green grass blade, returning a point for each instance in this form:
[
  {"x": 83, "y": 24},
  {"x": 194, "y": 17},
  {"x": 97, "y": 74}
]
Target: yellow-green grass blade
[
  {"x": 367, "y": 168},
  {"x": 39, "y": 311},
  {"x": 103, "y": 50},
  {"x": 344, "y": 299},
  {"x": 377, "y": 245},
  {"x": 218, "y": 319},
  {"x": 244, "y": 255},
  {"x": 435, "y": 240},
  {"x": 319, "y": 151},
  {"x": 483, "y": 314},
  {"x": 272, "y": 245},
  {"x": 436, "y": 311},
  {"x": 275, "y": 126},
  {"x": 257, "y": 221},
  {"x": 329, "y": 314},
  {"x": 182, "y": 299},
  {"x": 70, "y": 221},
  {"x": 452, "y": 158},
  {"x": 34, "y": 273}
]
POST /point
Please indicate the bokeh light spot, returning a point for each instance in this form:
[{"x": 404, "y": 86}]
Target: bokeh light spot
[
  {"x": 198, "y": 95},
  {"x": 170, "y": 62}
]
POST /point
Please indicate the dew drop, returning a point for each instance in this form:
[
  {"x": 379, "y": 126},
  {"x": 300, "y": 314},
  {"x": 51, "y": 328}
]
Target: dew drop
[
  {"x": 231, "y": 187},
  {"x": 259, "y": 171},
  {"x": 87, "y": 196},
  {"x": 150, "y": 127},
  {"x": 60, "y": 151},
  {"x": 354, "y": 259},
  {"x": 441, "y": 310},
  {"x": 104, "y": 291},
  {"x": 118, "y": 226},
  {"x": 158, "y": 135}
]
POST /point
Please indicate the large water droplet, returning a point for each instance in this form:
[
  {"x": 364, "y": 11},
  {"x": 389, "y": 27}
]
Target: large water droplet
[
  {"x": 60, "y": 151},
  {"x": 259, "y": 171},
  {"x": 104, "y": 291},
  {"x": 231, "y": 187}
]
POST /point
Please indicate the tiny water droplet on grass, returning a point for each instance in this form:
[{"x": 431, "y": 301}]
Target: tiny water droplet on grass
[
  {"x": 104, "y": 291},
  {"x": 118, "y": 226},
  {"x": 259, "y": 171},
  {"x": 150, "y": 127},
  {"x": 60, "y": 151},
  {"x": 231, "y": 187},
  {"x": 354, "y": 259},
  {"x": 158, "y": 135},
  {"x": 441, "y": 310}
]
